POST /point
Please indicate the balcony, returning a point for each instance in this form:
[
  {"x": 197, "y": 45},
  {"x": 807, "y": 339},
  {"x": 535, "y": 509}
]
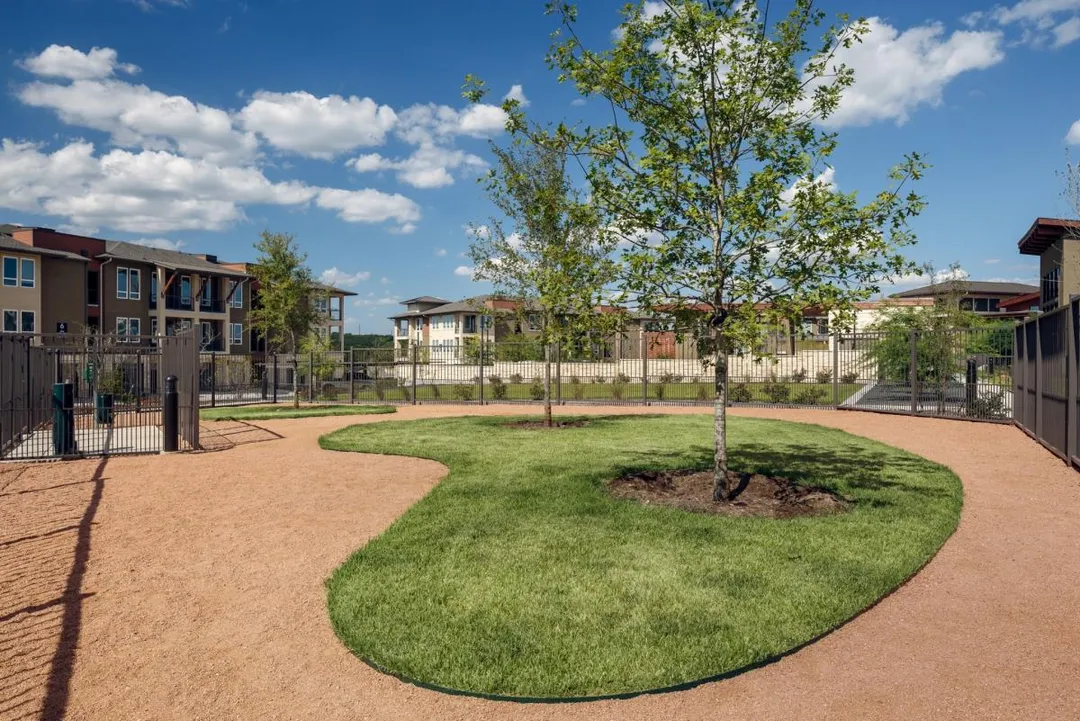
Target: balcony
[{"x": 176, "y": 302}]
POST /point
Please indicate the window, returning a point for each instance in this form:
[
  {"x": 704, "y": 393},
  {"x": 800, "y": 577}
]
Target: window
[
  {"x": 236, "y": 333},
  {"x": 185, "y": 290},
  {"x": 403, "y": 326},
  {"x": 967, "y": 304},
  {"x": 121, "y": 327},
  {"x": 982, "y": 305},
  {"x": 28, "y": 324},
  {"x": 92, "y": 287},
  {"x": 122, "y": 283},
  {"x": 153, "y": 289},
  {"x": 134, "y": 329},
  {"x": 207, "y": 292},
  {"x": 470, "y": 324},
  {"x": 134, "y": 289},
  {"x": 11, "y": 321},
  {"x": 236, "y": 294},
  {"x": 27, "y": 268},
  {"x": 533, "y": 321},
  {"x": 1049, "y": 296},
  {"x": 994, "y": 305},
  {"x": 11, "y": 271},
  {"x": 153, "y": 326}
]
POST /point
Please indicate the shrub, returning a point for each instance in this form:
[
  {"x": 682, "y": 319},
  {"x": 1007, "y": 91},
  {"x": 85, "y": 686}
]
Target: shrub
[
  {"x": 989, "y": 405},
  {"x": 849, "y": 377},
  {"x": 576, "y": 388},
  {"x": 703, "y": 393},
  {"x": 622, "y": 378},
  {"x": 810, "y": 396},
  {"x": 516, "y": 378},
  {"x": 498, "y": 388},
  {"x": 775, "y": 390},
  {"x": 740, "y": 393},
  {"x": 666, "y": 377},
  {"x": 463, "y": 391},
  {"x": 617, "y": 391},
  {"x": 677, "y": 378},
  {"x": 599, "y": 379},
  {"x": 406, "y": 394},
  {"x": 659, "y": 391},
  {"x": 435, "y": 392},
  {"x": 536, "y": 390},
  {"x": 824, "y": 376},
  {"x": 799, "y": 376},
  {"x": 326, "y": 392}
]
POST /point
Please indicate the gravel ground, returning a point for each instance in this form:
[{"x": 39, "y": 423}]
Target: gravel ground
[{"x": 190, "y": 587}]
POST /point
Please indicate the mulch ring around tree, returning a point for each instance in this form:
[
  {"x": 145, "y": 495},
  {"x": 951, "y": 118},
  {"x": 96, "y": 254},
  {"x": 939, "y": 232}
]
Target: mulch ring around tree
[
  {"x": 541, "y": 426},
  {"x": 756, "y": 494}
]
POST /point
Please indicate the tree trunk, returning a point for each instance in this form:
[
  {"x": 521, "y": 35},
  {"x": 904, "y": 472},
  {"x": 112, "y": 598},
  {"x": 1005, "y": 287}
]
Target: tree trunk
[
  {"x": 547, "y": 385},
  {"x": 722, "y": 487}
]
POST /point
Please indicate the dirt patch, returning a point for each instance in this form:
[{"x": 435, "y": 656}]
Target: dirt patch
[
  {"x": 755, "y": 495},
  {"x": 541, "y": 426}
]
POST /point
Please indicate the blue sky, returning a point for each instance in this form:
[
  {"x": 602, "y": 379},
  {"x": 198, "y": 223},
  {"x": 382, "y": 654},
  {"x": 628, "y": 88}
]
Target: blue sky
[{"x": 199, "y": 123}]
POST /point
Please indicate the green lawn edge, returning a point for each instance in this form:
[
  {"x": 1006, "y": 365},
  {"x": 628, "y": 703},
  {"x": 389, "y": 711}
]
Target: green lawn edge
[
  {"x": 285, "y": 411},
  {"x": 333, "y": 441}
]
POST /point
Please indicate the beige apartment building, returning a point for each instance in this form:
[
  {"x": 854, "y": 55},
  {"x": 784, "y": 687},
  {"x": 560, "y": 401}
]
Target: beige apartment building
[{"x": 65, "y": 283}]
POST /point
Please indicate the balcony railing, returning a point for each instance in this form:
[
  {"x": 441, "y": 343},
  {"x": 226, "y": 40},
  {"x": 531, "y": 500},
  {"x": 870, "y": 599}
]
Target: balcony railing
[{"x": 176, "y": 302}]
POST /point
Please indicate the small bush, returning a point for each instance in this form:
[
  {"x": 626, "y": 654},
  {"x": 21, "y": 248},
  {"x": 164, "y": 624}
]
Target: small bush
[
  {"x": 775, "y": 390},
  {"x": 516, "y": 378},
  {"x": 666, "y": 377},
  {"x": 622, "y": 378},
  {"x": 617, "y": 391},
  {"x": 435, "y": 392},
  {"x": 991, "y": 405},
  {"x": 406, "y": 394},
  {"x": 849, "y": 377},
  {"x": 599, "y": 379},
  {"x": 463, "y": 391},
  {"x": 740, "y": 393},
  {"x": 659, "y": 391},
  {"x": 498, "y": 388},
  {"x": 536, "y": 390},
  {"x": 677, "y": 378},
  {"x": 824, "y": 376},
  {"x": 799, "y": 376},
  {"x": 809, "y": 396},
  {"x": 326, "y": 392},
  {"x": 703, "y": 393}
]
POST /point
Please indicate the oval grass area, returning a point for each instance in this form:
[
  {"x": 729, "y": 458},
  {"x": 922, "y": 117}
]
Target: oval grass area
[
  {"x": 282, "y": 411},
  {"x": 519, "y": 576}
]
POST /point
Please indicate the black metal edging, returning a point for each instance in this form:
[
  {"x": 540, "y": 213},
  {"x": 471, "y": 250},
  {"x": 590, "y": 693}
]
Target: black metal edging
[{"x": 685, "y": 685}]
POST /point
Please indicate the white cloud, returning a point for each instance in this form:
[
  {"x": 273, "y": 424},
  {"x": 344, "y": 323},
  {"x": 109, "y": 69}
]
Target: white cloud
[
  {"x": 136, "y": 116},
  {"x": 341, "y": 279},
  {"x": 577, "y": 102},
  {"x": 826, "y": 180},
  {"x": 440, "y": 252},
  {"x": 1067, "y": 32},
  {"x": 317, "y": 127},
  {"x": 895, "y": 73},
  {"x": 158, "y": 192},
  {"x": 1040, "y": 21},
  {"x": 384, "y": 280},
  {"x": 370, "y": 206},
  {"x": 517, "y": 92},
  {"x": 420, "y": 124},
  {"x": 479, "y": 231},
  {"x": 1073, "y": 136},
  {"x": 464, "y": 271},
  {"x": 372, "y": 301},
  {"x": 63, "y": 61},
  {"x": 148, "y": 5},
  {"x": 428, "y": 167},
  {"x": 992, "y": 261},
  {"x": 161, "y": 243}
]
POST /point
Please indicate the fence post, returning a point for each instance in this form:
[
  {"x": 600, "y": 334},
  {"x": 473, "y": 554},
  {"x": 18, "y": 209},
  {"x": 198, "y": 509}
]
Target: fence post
[
  {"x": 213, "y": 379},
  {"x": 480, "y": 376},
  {"x": 63, "y": 430},
  {"x": 644, "y": 369},
  {"x": 914, "y": 372},
  {"x": 138, "y": 381},
  {"x": 558, "y": 373},
  {"x": 352, "y": 375},
  {"x": 836, "y": 369},
  {"x": 264, "y": 388},
  {"x": 170, "y": 422},
  {"x": 1038, "y": 378},
  {"x": 971, "y": 386},
  {"x": 1070, "y": 374},
  {"x": 414, "y": 349}
]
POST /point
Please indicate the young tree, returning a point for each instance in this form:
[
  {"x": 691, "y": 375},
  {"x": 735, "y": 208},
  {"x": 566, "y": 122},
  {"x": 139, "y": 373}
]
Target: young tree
[
  {"x": 285, "y": 313},
  {"x": 714, "y": 170},
  {"x": 546, "y": 249}
]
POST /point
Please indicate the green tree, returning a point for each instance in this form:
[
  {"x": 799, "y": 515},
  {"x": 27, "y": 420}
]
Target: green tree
[
  {"x": 546, "y": 249},
  {"x": 714, "y": 171},
  {"x": 285, "y": 313}
]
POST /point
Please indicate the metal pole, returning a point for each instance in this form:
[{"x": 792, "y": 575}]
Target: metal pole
[
  {"x": 213, "y": 379},
  {"x": 971, "y": 386},
  {"x": 63, "y": 431},
  {"x": 311, "y": 376},
  {"x": 170, "y": 423},
  {"x": 414, "y": 348},
  {"x": 1071, "y": 368},
  {"x": 836, "y": 369},
  {"x": 1038, "y": 378},
  {"x": 352, "y": 375},
  {"x": 914, "y": 373},
  {"x": 558, "y": 373},
  {"x": 644, "y": 368},
  {"x": 480, "y": 377}
]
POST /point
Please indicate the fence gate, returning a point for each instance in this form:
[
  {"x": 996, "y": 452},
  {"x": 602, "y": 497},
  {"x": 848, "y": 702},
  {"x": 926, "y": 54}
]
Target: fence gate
[{"x": 180, "y": 358}]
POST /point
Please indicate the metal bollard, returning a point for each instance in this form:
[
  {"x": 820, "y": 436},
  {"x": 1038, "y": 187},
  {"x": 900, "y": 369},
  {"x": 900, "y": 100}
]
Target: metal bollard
[
  {"x": 63, "y": 430},
  {"x": 171, "y": 421}
]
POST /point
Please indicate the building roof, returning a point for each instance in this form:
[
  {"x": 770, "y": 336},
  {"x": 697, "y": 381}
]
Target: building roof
[
  {"x": 332, "y": 289},
  {"x": 969, "y": 286},
  {"x": 1044, "y": 232},
  {"x": 1020, "y": 302},
  {"x": 424, "y": 299},
  {"x": 171, "y": 259},
  {"x": 9, "y": 243}
]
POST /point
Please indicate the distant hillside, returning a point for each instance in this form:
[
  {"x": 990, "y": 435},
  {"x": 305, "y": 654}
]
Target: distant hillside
[{"x": 368, "y": 340}]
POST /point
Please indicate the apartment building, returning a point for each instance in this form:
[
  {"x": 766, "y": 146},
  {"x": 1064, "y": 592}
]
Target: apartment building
[
  {"x": 442, "y": 324},
  {"x": 82, "y": 284}
]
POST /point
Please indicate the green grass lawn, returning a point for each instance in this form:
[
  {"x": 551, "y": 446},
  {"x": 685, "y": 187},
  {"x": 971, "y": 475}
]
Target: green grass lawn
[
  {"x": 518, "y": 575},
  {"x": 754, "y": 392},
  {"x": 285, "y": 410}
]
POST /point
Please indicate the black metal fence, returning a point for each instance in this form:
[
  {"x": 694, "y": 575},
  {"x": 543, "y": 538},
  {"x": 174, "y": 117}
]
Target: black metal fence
[
  {"x": 964, "y": 373},
  {"x": 65, "y": 396},
  {"x": 1044, "y": 380}
]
